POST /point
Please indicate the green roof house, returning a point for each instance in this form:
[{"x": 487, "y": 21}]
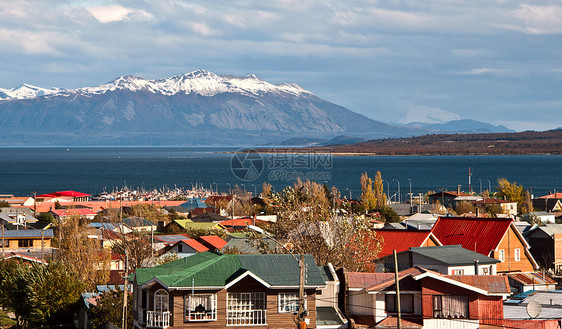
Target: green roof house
[{"x": 214, "y": 290}]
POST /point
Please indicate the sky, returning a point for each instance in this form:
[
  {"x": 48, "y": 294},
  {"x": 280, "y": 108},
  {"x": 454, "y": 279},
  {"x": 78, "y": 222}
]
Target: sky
[{"x": 496, "y": 61}]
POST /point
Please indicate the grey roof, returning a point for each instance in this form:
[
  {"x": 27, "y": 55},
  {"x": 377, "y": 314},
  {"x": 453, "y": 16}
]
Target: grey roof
[
  {"x": 326, "y": 273},
  {"x": 402, "y": 209},
  {"x": 421, "y": 224},
  {"x": 453, "y": 255},
  {"x": 393, "y": 226},
  {"x": 23, "y": 233},
  {"x": 137, "y": 221},
  {"x": 327, "y": 316},
  {"x": 549, "y": 229},
  {"x": 13, "y": 210},
  {"x": 244, "y": 245},
  {"x": 551, "y": 302},
  {"x": 170, "y": 237}
]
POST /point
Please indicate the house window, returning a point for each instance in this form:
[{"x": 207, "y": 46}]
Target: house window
[
  {"x": 245, "y": 308},
  {"x": 25, "y": 243},
  {"x": 180, "y": 248},
  {"x": 517, "y": 254},
  {"x": 501, "y": 255},
  {"x": 458, "y": 272},
  {"x": 161, "y": 301},
  {"x": 201, "y": 307},
  {"x": 289, "y": 302},
  {"x": 455, "y": 307},
  {"x": 406, "y": 303},
  {"x": 485, "y": 270}
]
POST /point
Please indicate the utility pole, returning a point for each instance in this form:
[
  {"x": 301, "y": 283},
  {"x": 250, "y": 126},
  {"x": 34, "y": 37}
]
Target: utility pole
[
  {"x": 399, "y": 324},
  {"x": 35, "y": 204},
  {"x": 42, "y": 243},
  {"x": 124, "y": 321},
  {"x": 3, "y": 241},
  {"x": 301, "y": 292}
]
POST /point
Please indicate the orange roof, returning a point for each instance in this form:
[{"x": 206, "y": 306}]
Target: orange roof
[
  {"x": 195, "y": 245},
  {"x": 213, "y": 241},
  {"x": 240, "y": 222},
  {"x": 363, "y": 280},
  {"x": 491, "y": 283},
  {"x": 401, "y": 240},
  {"x": 557, "y": 195}
]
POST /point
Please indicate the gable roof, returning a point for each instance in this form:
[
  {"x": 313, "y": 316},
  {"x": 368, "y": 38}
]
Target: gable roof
[
  {"x": 401, "y": 240},
  {"x": 212, "y": 241},
  {"x": 493, "y": 284},
  {"x": 361, "y": 280},
  {"x": 170, "y": 238},
  {"x": 196, "y": 245},
  {"x": 239, "y": 222},
  {"x": 557, "y": 195},
  {"x": 73, "y": 194},
  {"x": 215, "y": 270},
  {"x": 481, "y": 235},
  {"x": 453, "y": 255},
  {"x": 208, "y": 217}
]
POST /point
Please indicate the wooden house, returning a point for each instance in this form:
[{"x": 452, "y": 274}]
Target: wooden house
[{"x": 493, "y": 237}]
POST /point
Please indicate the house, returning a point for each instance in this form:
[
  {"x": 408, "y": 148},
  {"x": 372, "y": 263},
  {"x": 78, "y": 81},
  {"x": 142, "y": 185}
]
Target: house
[
  {"x": 328, "y": 314},
  {"x": 546, "y": 245},
  {"x": 550, "y": 311},
  {"x": 531, "y": 281},
  {"x": 493, "y": 237},
  {"x": 170, "y": 239},
  {"x": 508, "y": 207},
  {"x": 401, "y": 239},
  {"x": 549, "y": 203},
  {"x": 64, "y": 196},
  {"x": 213, "y": 290},
  {"x": 450, "y": 260},
  {"x": 17, "y": 218},
  {"x": 445, "y": 198},
  {"x": 139, "y": 224},
  {"x": 31, "y": 242},
  {"x": 186, "y": 248},
  {"x": 237, "y": 224},
  {"x": 427, "y": 299},
  {"x": 62, "y": 214},
  {"x": 543, "y": 216},
  {"x": 208, "y": 217},
  {"x": 212, "y": 242}
]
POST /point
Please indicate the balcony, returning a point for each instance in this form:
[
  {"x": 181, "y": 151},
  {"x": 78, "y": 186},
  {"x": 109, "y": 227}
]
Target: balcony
[
  {"x": 246, "y": 317},
  {"x": 157, "y": 319}
]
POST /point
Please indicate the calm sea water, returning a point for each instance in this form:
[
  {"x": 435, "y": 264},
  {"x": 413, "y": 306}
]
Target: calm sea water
[{"x": 95, "y": 169}]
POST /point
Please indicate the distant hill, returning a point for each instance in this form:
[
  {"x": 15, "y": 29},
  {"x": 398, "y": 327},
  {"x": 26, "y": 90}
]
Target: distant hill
[{"x": 528, "y": 142}]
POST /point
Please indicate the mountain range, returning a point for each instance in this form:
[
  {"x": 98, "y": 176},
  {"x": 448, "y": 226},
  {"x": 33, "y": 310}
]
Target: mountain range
[{"x": 197, "y": 108}]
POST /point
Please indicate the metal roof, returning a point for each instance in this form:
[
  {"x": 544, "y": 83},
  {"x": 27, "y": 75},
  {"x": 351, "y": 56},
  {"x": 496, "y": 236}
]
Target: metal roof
[
  {"x": 170, "y": 237},
  {"x": 453, "y": 255},
  {"x": 401, "y": 240},
  {"x": 26, "y": 233},
  {"x": 497, "y": 284},
  {"x": 478, "y": 234},
  {"x": 360, "y": 280},
  {"x": 530, "y": 278},
  {"x": 327, "y": 316},
  {"x": 211, "y": 269}
]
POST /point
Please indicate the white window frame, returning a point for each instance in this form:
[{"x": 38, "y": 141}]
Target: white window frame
[
  {"x": 209, "y": 315},
  {"x": 285, "y": 299},
  {"x": 458, "y": 271},
  {"x": 501, "y": 255},
  {"x": 517, "y": 254},
  {"x": 243, "y": 309},
  {"x": 161, "y": 301}
]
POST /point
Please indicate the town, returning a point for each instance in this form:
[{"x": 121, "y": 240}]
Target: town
[{"x": 307, "y": 257}]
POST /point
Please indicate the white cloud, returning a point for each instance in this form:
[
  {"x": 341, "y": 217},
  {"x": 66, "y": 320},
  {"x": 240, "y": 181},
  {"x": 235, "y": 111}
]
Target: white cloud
[
  {"x": 482, "y": 70},
  {"x": 429, "y": 114},
  {"x": 540, "y": 19},
  {"x": 115, "y": 13}
]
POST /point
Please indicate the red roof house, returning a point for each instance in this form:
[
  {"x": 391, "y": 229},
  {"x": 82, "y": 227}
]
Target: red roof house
[
  {"x": 64, "y": 196},
  {"x": 402, "y": 240},
  {"x": 212, "y": 242},
  {"x": 494, "y": 237}
]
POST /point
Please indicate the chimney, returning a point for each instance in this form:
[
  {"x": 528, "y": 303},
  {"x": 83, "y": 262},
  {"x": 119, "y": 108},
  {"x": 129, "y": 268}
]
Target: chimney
[
  {"x": 476, "y": 267},
  {"x": 458, "y": 189}
]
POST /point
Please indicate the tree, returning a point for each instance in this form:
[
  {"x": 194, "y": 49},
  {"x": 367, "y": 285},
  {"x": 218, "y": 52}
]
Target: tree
[
  {"x": 464, "y": 207},
  {"x": 84, "y": 255},
  {"x": 378, "y": 190},
  {"x": 514, "y": 193},
  {"x": 493, "y": 210},
  {"x": 368, "y": 198},
  {"x": 46, "y": 217},
  {"x": 109, "y": 307},
  {"x": 388, "y": 214},
  {"x": 306, "y": 224},
  {"x": 37, "y": 293},
  {"x": 4, "y": 204}
]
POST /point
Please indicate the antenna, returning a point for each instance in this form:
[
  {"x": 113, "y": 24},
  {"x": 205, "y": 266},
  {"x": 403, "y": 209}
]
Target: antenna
[{"x": 534, "y": 309}]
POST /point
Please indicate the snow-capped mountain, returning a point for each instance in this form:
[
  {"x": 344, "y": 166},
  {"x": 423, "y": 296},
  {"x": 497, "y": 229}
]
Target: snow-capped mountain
[
  {"x": 26, "y": 91},
  {"x": 188, "y": 109},
  {"x": 199, "y": 82}
]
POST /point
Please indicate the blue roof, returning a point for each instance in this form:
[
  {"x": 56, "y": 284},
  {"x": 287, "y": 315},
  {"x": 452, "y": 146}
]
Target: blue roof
[
  {"x": 193, "y": 203},
  {"x": 28, "y": 233}
]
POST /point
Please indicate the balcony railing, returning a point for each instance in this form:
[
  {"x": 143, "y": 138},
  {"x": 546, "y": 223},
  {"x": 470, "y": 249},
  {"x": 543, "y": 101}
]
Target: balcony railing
[
  {"x": 157, "y": 319},
  {"x": 246, "y": 317}
]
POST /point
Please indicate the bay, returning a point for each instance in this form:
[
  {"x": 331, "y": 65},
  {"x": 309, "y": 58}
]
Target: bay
[{"x": 24, "y": 170}]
